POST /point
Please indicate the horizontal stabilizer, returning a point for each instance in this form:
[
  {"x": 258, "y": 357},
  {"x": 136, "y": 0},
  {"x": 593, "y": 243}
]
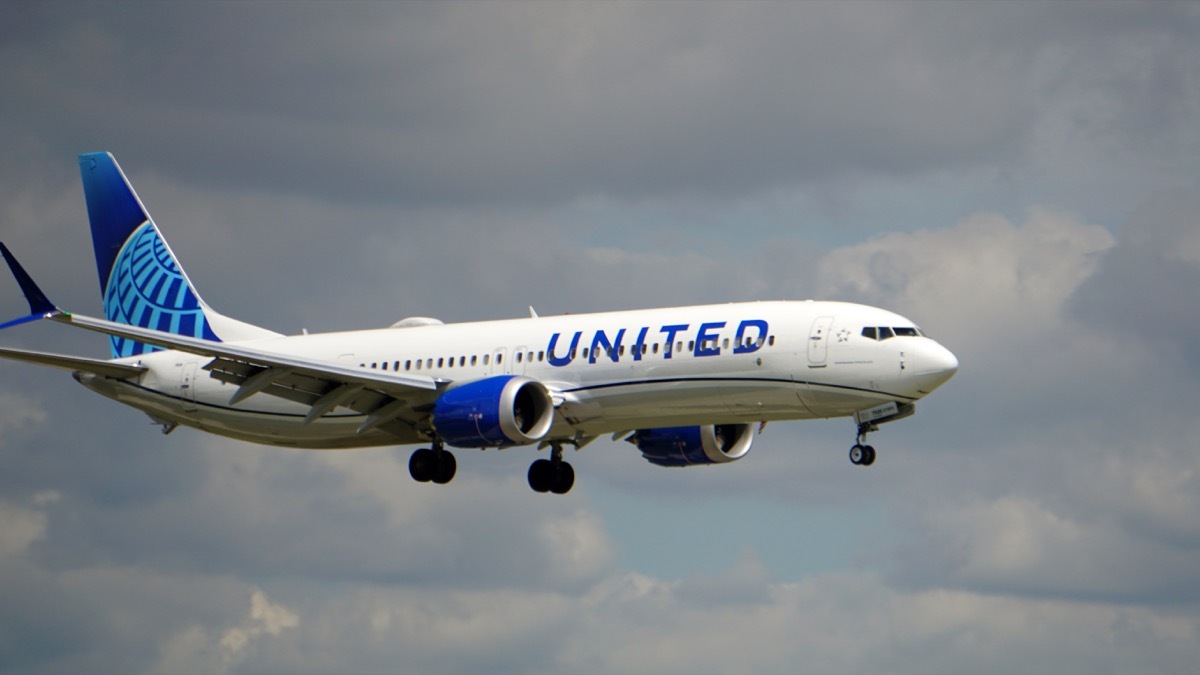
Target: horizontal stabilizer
[{"x": 75, "y": 363}]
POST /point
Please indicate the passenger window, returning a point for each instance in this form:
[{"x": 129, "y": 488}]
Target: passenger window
[
  {"x": 418, "y": 364},
  {"x": 428, "y": 364},
  {"x": 499, "y": 359},
  {"x": 771, "y": 340},
  {"x": 679, "y": 346},
  {"x": 520, "y": 356},
  {"x": 541, "y": 356},
  {"x": 529, "y": 357},
  {"x": 485, "y": 359},
  {"x": 408, "y": 364},
  {"x": 585, "y": 352}
]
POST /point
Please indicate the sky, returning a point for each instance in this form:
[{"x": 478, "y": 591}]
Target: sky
[{"x": 1018, "y": 178}]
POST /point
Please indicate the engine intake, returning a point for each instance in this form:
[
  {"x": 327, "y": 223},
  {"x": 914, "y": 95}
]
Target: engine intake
[
  {"x": 686, "y": 446},
  {"x": 494, "y": 412}
]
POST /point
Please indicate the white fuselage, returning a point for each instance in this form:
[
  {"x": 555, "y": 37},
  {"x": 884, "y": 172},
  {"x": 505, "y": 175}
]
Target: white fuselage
[{"x": 609, "y": 372}]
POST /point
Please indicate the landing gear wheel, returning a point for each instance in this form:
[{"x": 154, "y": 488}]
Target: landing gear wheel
[
  {"x": 432, "y": 464},
  {"x": 564, "y": 478},
  {"x": 444, "y": 467},
  {"x": 541, "y": 475},
  {"x": 862, "y": 455},
  {"x": 868, "y": 455},
  {"x": 421, "y": 465},
  {"x": 552, "y": 475},
  {"x": 857, "y": 455}
]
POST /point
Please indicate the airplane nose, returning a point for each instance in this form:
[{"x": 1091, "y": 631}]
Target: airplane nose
[{"x": 932, "y": 366}]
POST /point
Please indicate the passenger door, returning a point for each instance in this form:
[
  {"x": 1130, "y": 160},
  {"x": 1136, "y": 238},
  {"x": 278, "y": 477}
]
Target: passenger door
[{"x": 818, "y": 342}]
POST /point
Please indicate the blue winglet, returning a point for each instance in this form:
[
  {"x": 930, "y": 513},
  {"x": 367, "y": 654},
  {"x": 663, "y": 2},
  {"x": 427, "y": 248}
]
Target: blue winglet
[{"x": 39, "y": 305}]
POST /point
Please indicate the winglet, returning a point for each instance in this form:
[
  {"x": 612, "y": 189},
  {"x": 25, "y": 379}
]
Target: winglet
[{"x": 39, "y": 305}]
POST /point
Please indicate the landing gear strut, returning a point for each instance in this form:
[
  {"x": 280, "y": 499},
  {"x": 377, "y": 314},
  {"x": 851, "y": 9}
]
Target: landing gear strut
[
  {"x": 552, "y": 475},
  {"x": 432, "y": 464},
  {"x": 862, "y": 454}
]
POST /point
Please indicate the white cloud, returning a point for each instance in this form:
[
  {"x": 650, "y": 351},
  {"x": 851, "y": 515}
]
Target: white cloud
[
  {"x": 265, "y": 618},
  {"x": 19, "y": 529},
  {"x": 984, "y": 281}
]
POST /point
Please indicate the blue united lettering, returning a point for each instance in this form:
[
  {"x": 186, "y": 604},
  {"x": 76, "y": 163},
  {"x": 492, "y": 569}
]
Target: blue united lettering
[{"x": 708, "y": 338}]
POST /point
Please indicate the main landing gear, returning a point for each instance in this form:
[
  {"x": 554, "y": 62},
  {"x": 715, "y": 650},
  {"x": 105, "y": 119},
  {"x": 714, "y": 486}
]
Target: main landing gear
[
  {"x": 437, "y": 465},
  {"x": 862, "y": 454},
  {"x": 552, "y": 475},
  {"x": 432, "y": 464}
]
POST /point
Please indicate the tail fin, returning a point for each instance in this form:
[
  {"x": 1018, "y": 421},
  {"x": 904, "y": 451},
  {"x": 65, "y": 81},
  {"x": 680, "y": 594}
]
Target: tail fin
[{"x": 141, "y": 281}]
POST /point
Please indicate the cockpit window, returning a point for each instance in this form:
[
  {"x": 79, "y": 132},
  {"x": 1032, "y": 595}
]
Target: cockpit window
[{"x": 885, "y": 332}]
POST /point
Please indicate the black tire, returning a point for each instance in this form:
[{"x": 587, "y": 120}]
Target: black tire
[
  {"x": 444, "y": 467},
  {"x": 421, "y": 465},
  {"x": 868, "y": 455},
  {"x": 541, "y": 475},
  {"x": 564, "y": 478}
]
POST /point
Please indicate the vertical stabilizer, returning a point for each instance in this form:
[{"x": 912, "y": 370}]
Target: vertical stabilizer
[{"x": 141, "y": 281}]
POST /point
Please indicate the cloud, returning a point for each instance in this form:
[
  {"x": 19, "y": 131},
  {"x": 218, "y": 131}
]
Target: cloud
[
  {"x": 1145, "y": 289},
  {"x": 332, "y": 168}
]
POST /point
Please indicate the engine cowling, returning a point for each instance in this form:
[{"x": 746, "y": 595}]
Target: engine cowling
[
  {"x": 686, "y": 446},
  {"x": 494, "y": 412}
]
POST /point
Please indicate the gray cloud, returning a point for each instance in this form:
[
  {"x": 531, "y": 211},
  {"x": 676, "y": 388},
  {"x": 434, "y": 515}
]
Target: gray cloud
[
  {"x": 326, "y": 167},
  {"x": 535, "y": 103}
]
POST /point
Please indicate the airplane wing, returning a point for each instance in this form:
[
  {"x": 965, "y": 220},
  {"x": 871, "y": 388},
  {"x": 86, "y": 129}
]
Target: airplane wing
[
  {"x": 119, "y": 371},
  {"x": 322, "y": 385}
]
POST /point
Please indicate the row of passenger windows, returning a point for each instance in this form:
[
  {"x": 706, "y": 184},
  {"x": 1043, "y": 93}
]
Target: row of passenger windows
[
  {"x": 540, "y": 356},
  {"x": 885, "y": 332}
]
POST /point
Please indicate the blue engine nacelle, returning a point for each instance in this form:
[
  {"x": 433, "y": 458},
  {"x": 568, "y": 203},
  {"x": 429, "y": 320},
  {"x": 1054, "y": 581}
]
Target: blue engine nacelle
[
  {"x": 494, "y": 412},
  {"x": 685, "y": 446}
]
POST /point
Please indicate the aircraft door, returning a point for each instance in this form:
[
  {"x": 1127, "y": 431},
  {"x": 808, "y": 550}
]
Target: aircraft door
[
  {"x": 818, "y": 342},
  {"x": 187, "y": 387}
]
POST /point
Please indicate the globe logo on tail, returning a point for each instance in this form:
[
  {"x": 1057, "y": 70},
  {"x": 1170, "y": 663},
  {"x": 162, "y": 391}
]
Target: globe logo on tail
[{"x": 147, "y": 289}]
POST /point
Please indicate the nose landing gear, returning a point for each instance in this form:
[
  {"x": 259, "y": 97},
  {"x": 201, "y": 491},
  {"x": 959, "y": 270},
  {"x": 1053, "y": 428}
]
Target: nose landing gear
[{"x": 862, "y": 454}]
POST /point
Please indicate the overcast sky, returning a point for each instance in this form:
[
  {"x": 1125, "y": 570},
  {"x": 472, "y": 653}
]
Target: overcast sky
[{"x": 1018, "y": 178}]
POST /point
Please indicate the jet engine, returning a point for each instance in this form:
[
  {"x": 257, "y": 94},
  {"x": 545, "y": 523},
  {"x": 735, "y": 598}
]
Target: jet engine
[
  {"x": 494, "y": 412},
  {"x": 685, "y": 446}
]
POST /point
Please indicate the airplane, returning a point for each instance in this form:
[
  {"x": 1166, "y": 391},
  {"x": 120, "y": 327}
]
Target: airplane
[{"x": 685, "y": 385}]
